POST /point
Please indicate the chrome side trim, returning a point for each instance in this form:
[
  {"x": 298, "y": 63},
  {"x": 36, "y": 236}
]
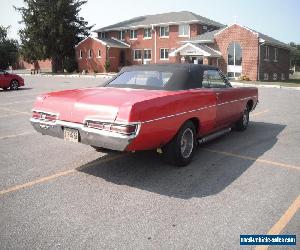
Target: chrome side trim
[{"x": 195, "y": 110}]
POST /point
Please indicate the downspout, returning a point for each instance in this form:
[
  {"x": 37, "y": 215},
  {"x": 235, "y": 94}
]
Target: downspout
[
  {"x": 154, "y": 43},
  {"x": 258, "y": 70}
]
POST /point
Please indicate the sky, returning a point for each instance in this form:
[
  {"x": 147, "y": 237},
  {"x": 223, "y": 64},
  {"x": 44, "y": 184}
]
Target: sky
[{"x": 276, "y": 18}]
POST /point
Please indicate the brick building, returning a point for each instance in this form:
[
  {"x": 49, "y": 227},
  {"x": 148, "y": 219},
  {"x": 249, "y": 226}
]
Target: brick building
[{"x": 187, "y": 38}]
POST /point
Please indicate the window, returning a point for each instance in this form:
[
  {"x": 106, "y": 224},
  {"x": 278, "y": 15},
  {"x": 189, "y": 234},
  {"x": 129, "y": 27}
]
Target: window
[
  {"x": 267, "y": 53},
  {"x": 275, "y": 55},
  {"x": 274, "y": 76},
  {"x": 147, "y": 54},
  {"x": 164, "y": 54},
  {"x": 204, "y": 27},
  {"x": 99, "y": 53},
  {"x": 213, "y": 79},
  {"x": 80, "y": 54},
  {"x": 230, "y": 74},
  {"x": 184, "y": 30},
  {"x": 90, "y": 53},
  {"x": 122, "y": 35},
  {"x": 103, "y": 35},
  {"x": 234, "y": 54},
  {"x": 142, "y": 79},
  {"x": 133, "y": 34},
  {"x": 137, "y": 54},
  {"x": 266, "y": 76},
  {"x": 147, "y": 33},
  {"x": 164, "y": 31},
  {"x": 282, "y": 76}
]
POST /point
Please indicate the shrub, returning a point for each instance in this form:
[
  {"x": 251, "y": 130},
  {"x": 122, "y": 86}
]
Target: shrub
[
  {"x": 70, "y": 64},
  {"x": 107, "y": 66}
]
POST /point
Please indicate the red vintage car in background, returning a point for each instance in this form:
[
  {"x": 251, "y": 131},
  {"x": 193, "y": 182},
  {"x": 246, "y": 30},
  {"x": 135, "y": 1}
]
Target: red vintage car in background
[
  {"x": 168, "y": 107},
  {"x": 8, "y": 80}
]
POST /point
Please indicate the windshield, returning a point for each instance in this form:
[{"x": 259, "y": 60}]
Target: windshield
[{"x": 142, "y": 79}]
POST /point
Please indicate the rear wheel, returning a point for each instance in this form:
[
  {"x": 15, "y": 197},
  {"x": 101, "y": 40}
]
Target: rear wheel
[
  {"x": 181, "y": 149},
  {"x": 242, "y": 123},
  {"x": 14, "y": 85}
]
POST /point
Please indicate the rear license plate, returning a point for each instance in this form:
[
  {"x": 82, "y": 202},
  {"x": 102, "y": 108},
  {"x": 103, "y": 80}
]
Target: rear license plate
[{"x": 71, "y": 135}]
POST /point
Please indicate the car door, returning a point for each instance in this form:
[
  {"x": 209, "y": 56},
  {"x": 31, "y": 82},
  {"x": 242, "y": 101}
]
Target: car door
[
  {"x": 226, "y": 97},
  {"x": 2, "y": 85}
]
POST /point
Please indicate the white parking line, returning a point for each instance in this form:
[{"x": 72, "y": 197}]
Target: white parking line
[
  {"x": 10, "y": 103},
  {"x": 15, "y": 135}
]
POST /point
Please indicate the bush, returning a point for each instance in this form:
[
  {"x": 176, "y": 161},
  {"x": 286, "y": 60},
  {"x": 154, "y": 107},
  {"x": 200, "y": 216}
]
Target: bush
[
  {"x": 107, "y": 66},
  {"x": 70, "y": 64}
]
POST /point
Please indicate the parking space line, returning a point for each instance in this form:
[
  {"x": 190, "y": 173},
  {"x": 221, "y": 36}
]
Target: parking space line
[
  {"x": 11, "y": 103},
  {"x": 260, "y": 113},
  {"x": 13, "y": 110},
  {"x": 283, "y": 221},
  {"x": 274, "y": 163},
  {"x": 15, "y": 135},
  {"x": 56, "y": 175}
]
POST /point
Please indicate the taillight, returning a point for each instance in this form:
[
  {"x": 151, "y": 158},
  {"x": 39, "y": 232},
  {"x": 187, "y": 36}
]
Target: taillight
[
  {"x": 127, "y": 129},
  {"x": 43, "y": 116}
]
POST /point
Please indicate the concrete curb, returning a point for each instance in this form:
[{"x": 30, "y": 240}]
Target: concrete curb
[
  {"x": 107, "y": 76},
  {"x": 263, "y": 86}
]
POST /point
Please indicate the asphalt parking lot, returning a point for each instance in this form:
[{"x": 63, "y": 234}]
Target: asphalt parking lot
[{"x": 61, "y": 195}]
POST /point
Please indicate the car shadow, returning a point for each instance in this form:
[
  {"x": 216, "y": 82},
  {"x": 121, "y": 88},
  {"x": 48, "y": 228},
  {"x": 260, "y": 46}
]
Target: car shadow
[
  {"x": 208, "y": 174},
  {"x": 20, "y": 89}
]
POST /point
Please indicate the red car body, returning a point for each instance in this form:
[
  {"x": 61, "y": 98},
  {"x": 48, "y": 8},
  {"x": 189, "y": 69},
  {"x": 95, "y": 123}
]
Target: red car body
[
  {"x": 128, "y": 119},
  {"x": 8, "y": 80}
]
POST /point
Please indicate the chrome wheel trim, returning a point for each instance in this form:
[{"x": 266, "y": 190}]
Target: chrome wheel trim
[
  {"x": 187, "y": 143},
  {"x": 245, "y": 118},
  {"x": 14, "y": 85}
]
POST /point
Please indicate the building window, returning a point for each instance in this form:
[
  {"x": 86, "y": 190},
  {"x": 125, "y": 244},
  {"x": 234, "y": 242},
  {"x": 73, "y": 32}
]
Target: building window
[
  {"x": 133, "y": 34},
  {"x": 147, "y": 54},
  {"x": 204, "y": 27},
  {"x": 266, "y": 76},
  {"x": 234, "y": 54},
  {"x": 90, "y": 53},
  {"x": 184, "y": 30},
  {"x": 147, "y": 33},
  {"x": 137, "y": 54},
  {"x": 274, "y": 76},
  {"x": 282, "y": 76},
  {"x": 164, "y": 54},
  {"x": 103, "y": 35},
  {"x": 80, "y": 54},
  {"x": 275, "y": 55},
  {"x": 267, "y": 53},
  {"x": 164, "y": 31},
  {"x": 99, "y": 53},
  {"x": 122, "y": 35}
]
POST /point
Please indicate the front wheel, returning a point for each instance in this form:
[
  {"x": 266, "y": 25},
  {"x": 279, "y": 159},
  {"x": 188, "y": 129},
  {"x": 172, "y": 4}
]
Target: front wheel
[
  {"x": 14, "y": 85},
  {"x": 181, "y": 149},
  {"x": 242, "y": 123}
]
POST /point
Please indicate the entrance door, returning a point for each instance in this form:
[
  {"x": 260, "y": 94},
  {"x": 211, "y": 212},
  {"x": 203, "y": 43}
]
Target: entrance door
[
  {"x": 234, "y": 60},
  {"x": 122, "y": 57}
]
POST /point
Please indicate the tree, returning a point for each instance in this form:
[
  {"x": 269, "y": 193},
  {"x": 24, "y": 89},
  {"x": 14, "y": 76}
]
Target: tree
[
  {"x": 8, "y": 49},
  {"x": 52, "y": 29},
  {"x": 295, "y": 54}
]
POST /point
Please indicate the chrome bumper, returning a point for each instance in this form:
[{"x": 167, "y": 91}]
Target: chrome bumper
[{"x": 89, "y": 136}]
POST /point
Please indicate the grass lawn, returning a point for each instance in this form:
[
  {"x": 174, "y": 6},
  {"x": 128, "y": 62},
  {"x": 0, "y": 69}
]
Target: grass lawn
[{"x": 294, "y": 81}]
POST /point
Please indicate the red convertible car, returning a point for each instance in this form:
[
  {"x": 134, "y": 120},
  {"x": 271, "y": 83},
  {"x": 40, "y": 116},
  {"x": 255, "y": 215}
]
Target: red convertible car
[
  {"x": 11, "y": 81},
  {"x": 169, "y": 107}
]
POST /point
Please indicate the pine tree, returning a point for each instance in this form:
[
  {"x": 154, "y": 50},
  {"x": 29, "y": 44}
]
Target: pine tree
[
  {"x": 52, "y": 29},
  {"x": 8, "y": 49}
]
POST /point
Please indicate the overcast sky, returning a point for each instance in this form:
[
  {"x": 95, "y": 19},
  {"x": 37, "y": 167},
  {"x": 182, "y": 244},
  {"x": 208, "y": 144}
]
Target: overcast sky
[{"x": 276, "y": 18}]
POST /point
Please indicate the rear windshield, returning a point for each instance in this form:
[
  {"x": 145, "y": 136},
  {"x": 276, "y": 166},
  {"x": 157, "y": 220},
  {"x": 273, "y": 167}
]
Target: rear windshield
[{"x": 151, "y": 79}]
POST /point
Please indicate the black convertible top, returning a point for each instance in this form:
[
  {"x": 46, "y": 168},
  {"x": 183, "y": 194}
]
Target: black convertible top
[{"x": 185, "y": 76}]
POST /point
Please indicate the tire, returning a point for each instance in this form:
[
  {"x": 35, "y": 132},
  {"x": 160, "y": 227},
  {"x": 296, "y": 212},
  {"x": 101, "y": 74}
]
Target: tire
[
  {"x": 243, "y": 122},
  {"x": 14, "y": 85},
  {"x": 181, "y": 149}
]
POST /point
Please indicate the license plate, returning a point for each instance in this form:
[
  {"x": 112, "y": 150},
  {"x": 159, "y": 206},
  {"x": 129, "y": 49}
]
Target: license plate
[{"x": 71, "y": 134}]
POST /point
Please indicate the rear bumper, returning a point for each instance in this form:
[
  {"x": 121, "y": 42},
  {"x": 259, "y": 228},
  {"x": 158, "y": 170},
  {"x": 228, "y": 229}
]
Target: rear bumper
[{"x": 89, "y": 136}]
